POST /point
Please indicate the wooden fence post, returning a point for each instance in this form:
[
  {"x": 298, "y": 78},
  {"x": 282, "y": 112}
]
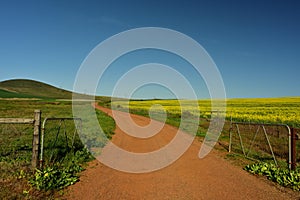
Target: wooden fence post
[{"x": 36, "y": 138}]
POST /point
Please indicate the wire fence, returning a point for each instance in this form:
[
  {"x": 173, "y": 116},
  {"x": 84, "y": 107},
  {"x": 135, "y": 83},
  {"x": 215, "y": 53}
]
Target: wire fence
[{"x": 16, "y": 143}]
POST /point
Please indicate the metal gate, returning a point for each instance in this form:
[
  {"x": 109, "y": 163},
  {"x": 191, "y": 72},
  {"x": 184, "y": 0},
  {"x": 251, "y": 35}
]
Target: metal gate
[
  {"x": 62, "y": 135},
  {"x": 261, "y": 141}
]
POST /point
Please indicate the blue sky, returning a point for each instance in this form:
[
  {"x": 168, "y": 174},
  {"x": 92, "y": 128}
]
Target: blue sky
[{"x": 255, "y": 44}]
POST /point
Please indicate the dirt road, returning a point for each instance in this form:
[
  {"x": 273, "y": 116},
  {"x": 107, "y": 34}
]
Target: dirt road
[{"x": 187, "y": 178}]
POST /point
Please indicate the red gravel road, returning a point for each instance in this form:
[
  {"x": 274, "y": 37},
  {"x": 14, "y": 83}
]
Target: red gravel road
[{"x": 187, "y": 178}]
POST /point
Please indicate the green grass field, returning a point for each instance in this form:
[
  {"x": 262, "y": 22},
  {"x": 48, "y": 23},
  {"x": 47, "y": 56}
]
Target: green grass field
[
  {"x": 7, "y": 94},
  {"x": 15, "y": 150}
]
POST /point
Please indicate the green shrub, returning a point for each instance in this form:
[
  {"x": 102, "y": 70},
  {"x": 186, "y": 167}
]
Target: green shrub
[
  {"x": 284, "y": 177},
  {"x": 60, "y": 175}
]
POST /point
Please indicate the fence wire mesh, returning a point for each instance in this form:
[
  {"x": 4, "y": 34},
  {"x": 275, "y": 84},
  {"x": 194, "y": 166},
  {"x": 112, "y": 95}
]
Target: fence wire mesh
[
  {"x": 16, "y": 143},
  {"x": 263, "y": 142}
]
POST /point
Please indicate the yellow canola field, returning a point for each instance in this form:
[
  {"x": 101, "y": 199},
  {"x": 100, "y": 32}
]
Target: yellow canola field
[{"x": 261, "y": 110}]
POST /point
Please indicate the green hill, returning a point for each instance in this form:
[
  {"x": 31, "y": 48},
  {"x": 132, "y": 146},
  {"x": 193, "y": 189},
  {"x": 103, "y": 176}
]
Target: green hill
[{"x": 22, "y": 88}]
